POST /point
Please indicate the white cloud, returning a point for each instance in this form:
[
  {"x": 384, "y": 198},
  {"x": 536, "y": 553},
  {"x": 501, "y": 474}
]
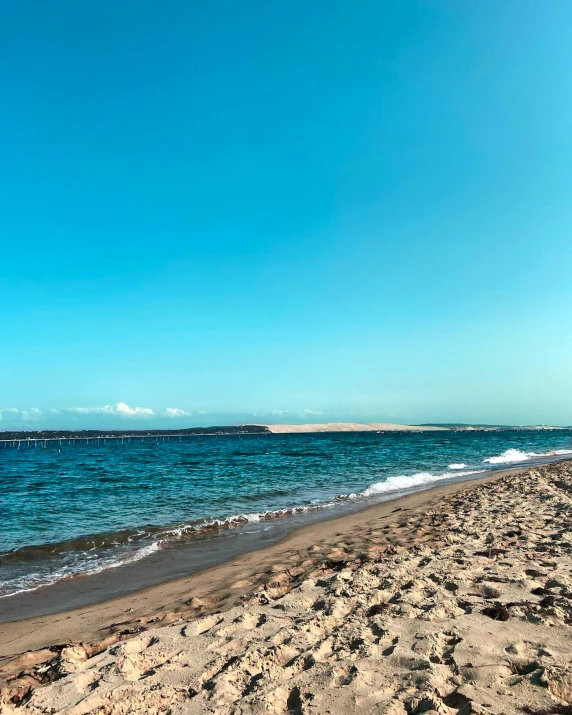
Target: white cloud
[
  {"x": 124, "y": 409},
  {"x": 175, "y": 412},
  {"x": 120, "y": 409},
  {"x": 32, "y": 414}
]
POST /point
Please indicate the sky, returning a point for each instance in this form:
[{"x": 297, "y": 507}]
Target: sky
[{"x": 285, "y": 212}]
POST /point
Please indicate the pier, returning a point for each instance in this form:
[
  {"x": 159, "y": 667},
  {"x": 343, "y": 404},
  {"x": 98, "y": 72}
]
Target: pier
[{"x": 44, "y": 439}]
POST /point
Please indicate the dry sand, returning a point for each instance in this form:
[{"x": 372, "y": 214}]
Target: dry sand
[
  {"x": 457, "y": 600},
  {"x": 353, "y": 427}
]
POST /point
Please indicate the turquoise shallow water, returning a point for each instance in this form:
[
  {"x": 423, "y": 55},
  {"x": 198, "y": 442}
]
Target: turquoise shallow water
[{"x": 77, "y": 508}]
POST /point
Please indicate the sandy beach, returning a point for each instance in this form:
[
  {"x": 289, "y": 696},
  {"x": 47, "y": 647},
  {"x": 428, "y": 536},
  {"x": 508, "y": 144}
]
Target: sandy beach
[{"x": 453, "y": 600}]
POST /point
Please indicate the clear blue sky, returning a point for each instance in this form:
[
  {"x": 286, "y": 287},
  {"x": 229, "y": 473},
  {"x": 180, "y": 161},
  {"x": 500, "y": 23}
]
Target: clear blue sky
[{"x": 285, "y": 211}]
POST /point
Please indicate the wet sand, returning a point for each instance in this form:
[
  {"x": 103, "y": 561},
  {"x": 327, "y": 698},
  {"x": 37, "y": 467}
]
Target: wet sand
[{"x": 455, "y": 597}]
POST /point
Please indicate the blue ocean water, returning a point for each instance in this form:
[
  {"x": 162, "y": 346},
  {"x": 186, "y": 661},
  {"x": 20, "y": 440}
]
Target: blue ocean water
[{"x": 75, "y": 508}]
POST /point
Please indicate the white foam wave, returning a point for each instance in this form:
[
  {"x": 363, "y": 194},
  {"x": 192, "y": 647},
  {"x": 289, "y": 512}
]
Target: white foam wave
[
  {"x": 462, "y": 465},
  {"x": 34, "y": 581},
  {"x": 392, "y": 484},
  {"x": 404, "y": 482},
  {"x": 242, "y": 519},
  {"x": 511, "y": 456}
]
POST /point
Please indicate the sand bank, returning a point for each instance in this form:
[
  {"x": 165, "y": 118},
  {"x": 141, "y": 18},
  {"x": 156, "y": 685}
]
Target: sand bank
[
  {"x": 454, "y": 600},
  {"x": 353, "y": 427}
]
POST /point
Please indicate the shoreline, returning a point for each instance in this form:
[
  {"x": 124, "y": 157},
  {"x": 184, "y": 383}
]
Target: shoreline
[
  {"x": 210, "y": 549},
  {"x": 403, "y": 603},
  {"x": 29, "y": 437},
  {"x": 204, "y": 581},
  {"x": 106, "y": 554},
  {"x": 205, "y": 550}
]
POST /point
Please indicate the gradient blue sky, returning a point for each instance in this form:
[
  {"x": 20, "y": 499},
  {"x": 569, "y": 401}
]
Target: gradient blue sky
[{"x": 297, "y": 211}]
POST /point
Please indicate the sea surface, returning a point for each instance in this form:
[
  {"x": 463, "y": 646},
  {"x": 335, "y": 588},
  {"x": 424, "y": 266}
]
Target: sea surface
[{"x": 72, "y": 508}]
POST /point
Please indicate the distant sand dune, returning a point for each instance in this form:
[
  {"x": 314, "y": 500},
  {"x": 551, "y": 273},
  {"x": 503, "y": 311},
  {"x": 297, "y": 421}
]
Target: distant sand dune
[{"x": 353, "y": 427}]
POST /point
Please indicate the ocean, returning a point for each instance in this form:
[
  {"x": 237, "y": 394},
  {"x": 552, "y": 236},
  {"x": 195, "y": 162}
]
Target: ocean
[{"x": 73, "y": 509}]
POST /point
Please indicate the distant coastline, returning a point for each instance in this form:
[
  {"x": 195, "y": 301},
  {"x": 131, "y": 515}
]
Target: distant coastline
[
  {"x": 23, "y": 435},
  {"x": 217, "y": 430}
]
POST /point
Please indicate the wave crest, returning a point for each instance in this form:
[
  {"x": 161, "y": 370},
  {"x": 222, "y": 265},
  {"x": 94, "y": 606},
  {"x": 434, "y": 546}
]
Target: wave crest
[
  {"x": 404, "y": 482},
  {"x": 510, "y": 456}
]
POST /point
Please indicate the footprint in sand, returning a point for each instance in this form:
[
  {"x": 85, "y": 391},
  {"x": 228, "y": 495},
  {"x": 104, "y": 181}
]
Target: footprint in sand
[{"x": 389, "y": 650}]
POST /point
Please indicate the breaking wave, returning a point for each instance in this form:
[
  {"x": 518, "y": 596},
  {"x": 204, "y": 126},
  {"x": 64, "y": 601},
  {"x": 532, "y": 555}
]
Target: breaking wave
[
  {"x": 512, "y": 456},
  {"x": 403, "y": 482}
]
